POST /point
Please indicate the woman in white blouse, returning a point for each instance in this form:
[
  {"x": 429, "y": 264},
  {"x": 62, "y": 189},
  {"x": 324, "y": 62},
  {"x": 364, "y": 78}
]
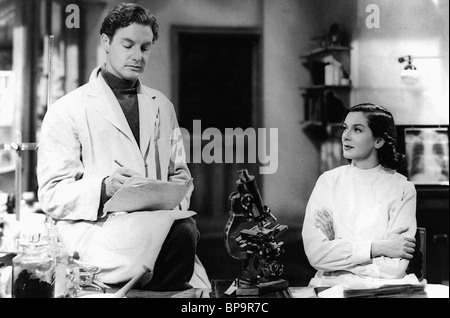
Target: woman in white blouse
[{"x": 360, "y": 220}]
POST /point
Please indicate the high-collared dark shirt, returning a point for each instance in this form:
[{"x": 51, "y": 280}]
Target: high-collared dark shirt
[{"x": 126, "y": 94}]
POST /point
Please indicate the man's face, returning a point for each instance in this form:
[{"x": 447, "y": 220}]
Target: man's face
[{"x": 128, "y": 51}]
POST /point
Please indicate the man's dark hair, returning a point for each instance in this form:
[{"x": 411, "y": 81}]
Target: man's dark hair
[{"x": 126, "y": 14}]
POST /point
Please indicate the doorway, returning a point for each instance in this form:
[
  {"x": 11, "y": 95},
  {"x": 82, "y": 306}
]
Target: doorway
[{"x": 217, "y": 84}]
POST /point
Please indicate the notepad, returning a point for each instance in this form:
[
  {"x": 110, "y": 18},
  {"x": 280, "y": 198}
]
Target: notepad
[
  {"x": 143, "y": 194},
  {"x": 391, "y": 291}
]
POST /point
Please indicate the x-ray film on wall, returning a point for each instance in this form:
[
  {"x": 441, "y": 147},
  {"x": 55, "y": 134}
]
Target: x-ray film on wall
[{"x": 427, "y": 155}]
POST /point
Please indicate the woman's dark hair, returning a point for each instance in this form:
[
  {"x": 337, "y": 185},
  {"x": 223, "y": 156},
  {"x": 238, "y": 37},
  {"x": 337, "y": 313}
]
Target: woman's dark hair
[
  {"x": 382, "y": 124},
  {"x": 126, "y": 14}
]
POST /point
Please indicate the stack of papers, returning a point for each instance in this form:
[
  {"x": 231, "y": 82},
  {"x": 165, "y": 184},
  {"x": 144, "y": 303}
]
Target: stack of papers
[
  {"x": 143, "y": 194},
  {"x": 390, "y": 291}
]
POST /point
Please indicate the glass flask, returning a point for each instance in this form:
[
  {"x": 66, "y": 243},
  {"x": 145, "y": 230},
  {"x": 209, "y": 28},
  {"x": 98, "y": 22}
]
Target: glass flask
[
  {"x": 73, "y": 285},
  {"x": 89, "y": 280},
  {"x": 33, "y": 272},
  {"x": 61, "y": 257}
]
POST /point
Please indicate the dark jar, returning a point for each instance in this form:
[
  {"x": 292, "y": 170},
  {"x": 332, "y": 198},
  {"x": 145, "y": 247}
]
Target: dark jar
[{"x": 33, "y": 272}]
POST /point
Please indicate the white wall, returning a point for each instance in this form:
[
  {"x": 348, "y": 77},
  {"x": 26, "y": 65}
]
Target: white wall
[
  {"x": 407, "y": 27},
  {"x": 288, "y": 27}
]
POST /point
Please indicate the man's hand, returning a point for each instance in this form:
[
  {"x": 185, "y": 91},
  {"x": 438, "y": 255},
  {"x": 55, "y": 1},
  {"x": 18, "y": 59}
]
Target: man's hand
[
  {"x": 324, "y": 221},
  {"x": 395, "y": 245},
  {"x": 115, "y": 181}
]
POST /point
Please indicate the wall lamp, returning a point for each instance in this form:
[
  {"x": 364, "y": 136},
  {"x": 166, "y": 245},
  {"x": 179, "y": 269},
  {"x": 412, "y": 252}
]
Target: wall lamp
[{"x": 409, "y": 74}]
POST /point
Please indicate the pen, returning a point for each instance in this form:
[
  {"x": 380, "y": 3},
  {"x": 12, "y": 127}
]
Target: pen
[{"x": 121, "y": 165}]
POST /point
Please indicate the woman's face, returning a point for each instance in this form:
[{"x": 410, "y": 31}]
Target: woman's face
[{"x": 358, "y": 141}]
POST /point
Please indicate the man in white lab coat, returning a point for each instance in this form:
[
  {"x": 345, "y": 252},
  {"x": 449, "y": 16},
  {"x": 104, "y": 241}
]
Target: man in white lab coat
[{"x": 98, "y": 136}]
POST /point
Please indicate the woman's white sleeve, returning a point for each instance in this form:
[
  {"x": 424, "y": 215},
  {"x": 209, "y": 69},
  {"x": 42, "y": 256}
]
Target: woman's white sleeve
[
  {"x": 403, "y": 215},
  {"x": 323, "y": 254}
]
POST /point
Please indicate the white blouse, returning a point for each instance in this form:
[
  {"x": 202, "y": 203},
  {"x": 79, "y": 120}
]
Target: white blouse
[{"x": 366, "y": 205}]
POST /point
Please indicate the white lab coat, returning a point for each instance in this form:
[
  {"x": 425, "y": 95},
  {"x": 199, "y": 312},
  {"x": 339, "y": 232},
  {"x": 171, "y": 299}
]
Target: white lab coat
[{"x": 81, "y": 136}]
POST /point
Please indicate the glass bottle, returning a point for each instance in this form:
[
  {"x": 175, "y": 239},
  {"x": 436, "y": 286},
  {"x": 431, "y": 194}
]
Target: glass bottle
[
  {"x": 61, "y": 258},
  {"x": 33, "y": 272}
]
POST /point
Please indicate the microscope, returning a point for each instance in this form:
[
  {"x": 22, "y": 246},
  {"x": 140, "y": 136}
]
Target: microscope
[{"x": 251, "y": 236}]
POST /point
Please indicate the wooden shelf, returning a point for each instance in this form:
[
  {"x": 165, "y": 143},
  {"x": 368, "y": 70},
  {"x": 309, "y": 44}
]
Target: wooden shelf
[
  {"x": 324, "y": 104},
  {"x": 7, "y": 169},
  {"x": 312, "y": 123},
  {"x": 315, "y": 128},
  {"x": 324, "y": 50},
  {"x": 324, "y": 87}
]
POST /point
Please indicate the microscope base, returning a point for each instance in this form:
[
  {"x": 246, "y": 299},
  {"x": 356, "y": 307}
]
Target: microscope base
[{"x": 246, "y": 289}]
